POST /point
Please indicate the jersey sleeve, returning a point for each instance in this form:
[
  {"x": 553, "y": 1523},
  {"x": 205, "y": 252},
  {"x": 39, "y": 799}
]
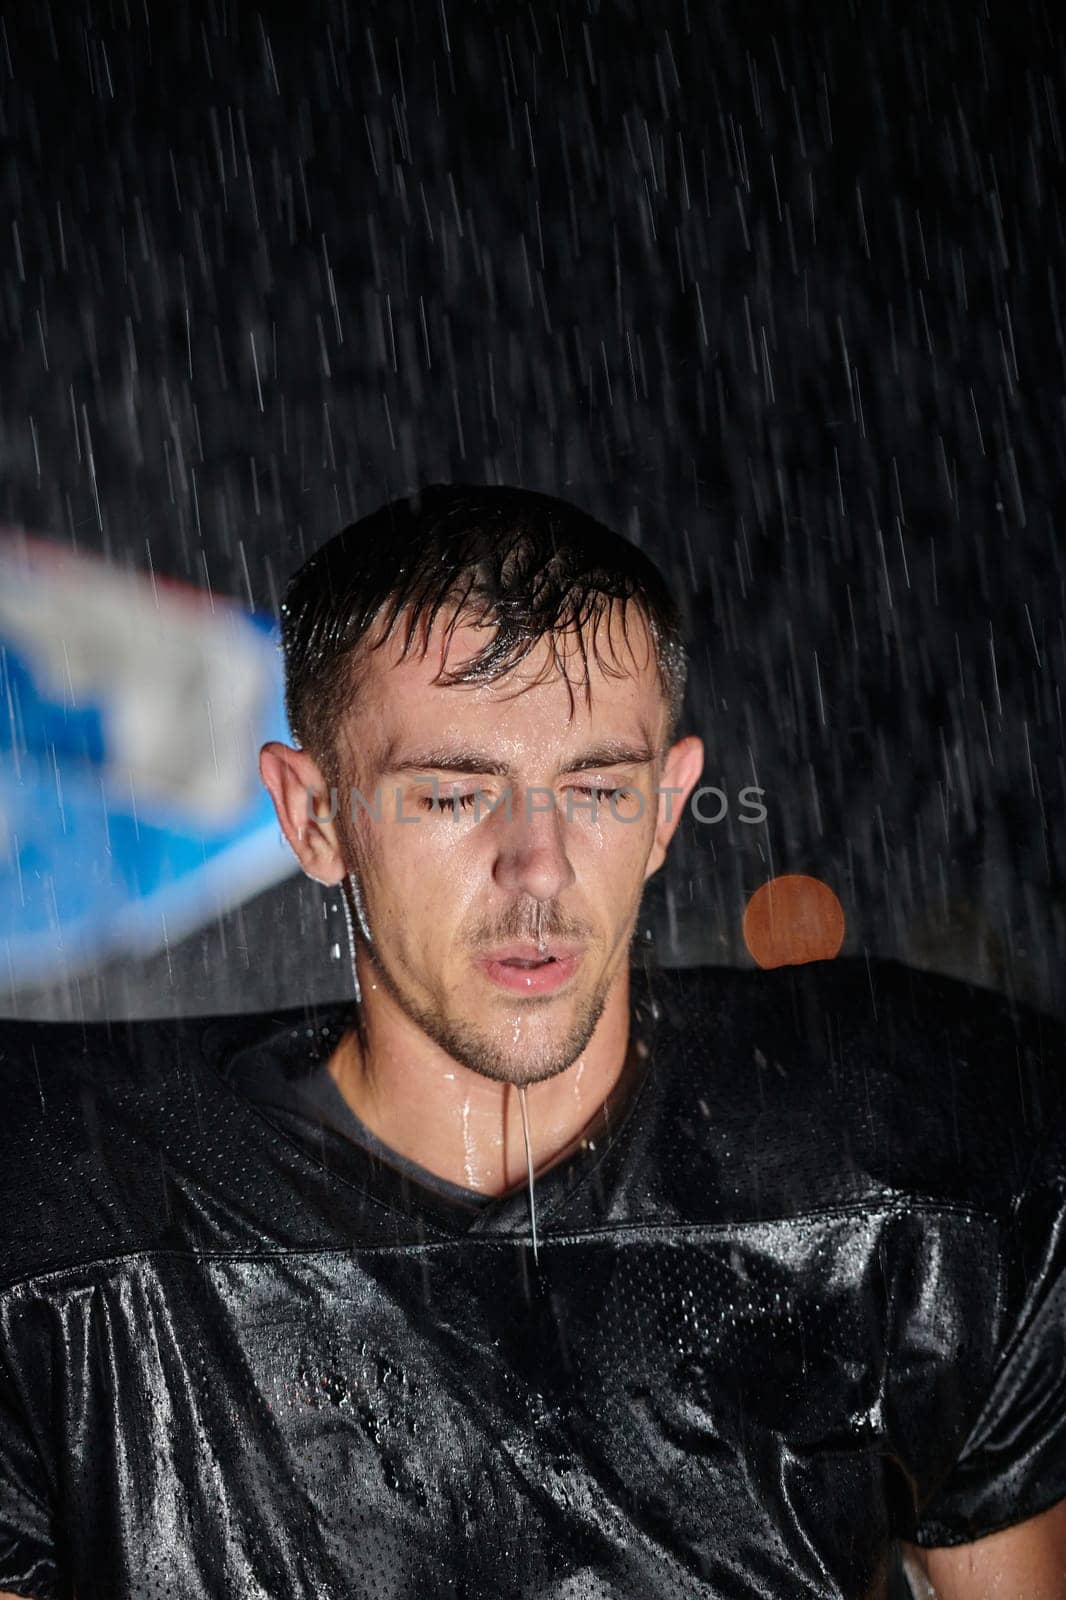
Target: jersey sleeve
[
  {"x": 1013, "y": 1464},
  {"x": 28, "y": 1558}
]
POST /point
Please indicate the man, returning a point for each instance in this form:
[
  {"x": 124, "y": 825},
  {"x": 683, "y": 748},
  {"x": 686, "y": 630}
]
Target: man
[{"x": 535, "y": 1272}]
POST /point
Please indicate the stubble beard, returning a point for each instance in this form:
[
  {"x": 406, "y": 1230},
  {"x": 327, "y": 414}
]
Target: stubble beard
[{"x": 498, "y": 1054}]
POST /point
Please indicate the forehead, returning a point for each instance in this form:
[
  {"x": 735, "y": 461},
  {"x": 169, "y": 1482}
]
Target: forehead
[{"x": 544, "y": 696}]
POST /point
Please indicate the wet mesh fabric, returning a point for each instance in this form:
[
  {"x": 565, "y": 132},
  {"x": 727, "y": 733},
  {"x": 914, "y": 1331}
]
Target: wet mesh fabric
[{"x": 804, "y": 1298}]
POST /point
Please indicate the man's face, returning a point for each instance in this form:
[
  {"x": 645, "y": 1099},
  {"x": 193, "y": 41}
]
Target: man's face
[{"x": 495, "y": 903}]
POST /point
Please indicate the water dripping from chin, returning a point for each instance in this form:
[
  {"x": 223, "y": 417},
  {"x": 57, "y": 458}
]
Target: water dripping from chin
[{"x": 529, "y": 1172}]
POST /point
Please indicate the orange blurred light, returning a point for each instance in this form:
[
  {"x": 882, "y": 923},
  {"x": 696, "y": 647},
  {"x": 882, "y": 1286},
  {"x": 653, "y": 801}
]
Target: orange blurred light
[{"x": 793, "y": 919}]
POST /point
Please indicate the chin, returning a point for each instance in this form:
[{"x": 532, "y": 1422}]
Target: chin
[
  {"x": 546, "y": 1046},
  {"x": 524, "y": 1073}
]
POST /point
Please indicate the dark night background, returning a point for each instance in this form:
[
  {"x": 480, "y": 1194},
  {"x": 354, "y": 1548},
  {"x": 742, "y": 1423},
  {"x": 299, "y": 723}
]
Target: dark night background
[{"x": 778, "y": 291}]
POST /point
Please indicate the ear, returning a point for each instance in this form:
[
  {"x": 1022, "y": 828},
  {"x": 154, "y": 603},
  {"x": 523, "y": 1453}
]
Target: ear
[
  {"x": 681, "y": 771},
  {"x": 306, "y": 809}
]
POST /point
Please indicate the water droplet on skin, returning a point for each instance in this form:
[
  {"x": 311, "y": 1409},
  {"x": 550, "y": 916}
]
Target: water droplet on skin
[
  {"x": 360, "y": 909},
  {"x": 468, "y": 1147}
]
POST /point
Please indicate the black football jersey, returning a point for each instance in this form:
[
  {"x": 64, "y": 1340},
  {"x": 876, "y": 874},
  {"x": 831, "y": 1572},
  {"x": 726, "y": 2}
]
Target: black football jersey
[{"x": 803, "y": 1296}]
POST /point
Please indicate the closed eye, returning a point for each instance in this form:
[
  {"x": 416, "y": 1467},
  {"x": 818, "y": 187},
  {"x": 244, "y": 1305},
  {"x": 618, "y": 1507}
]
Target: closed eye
[
  {"x": 449, "y": 802},
  {"x": 456, "y": 803}
]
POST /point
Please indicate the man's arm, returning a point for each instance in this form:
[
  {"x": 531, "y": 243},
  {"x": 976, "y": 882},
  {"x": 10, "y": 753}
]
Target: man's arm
[{"x": 1025, "y": 1562}]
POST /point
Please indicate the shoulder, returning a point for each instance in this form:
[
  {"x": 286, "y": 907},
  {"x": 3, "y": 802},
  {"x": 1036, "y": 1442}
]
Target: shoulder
[
  {"x": 840, "y": 1079},
  {"x": 51, "y": 1070},
  {"x": 95, "y": 1117},
  {"x": 47, "y": 1069}
]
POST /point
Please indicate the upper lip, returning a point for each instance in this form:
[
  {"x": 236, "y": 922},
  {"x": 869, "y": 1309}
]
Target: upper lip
[{"x": 531, "y": 952}]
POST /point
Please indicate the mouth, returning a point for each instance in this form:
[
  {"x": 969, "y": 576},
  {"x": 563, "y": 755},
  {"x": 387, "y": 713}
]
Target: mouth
[{"x": 523, "y": 969}]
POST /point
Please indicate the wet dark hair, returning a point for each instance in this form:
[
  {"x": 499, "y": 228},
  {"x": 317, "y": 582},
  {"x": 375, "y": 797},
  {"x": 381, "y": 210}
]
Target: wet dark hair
[{"x": 532, "y": 566}]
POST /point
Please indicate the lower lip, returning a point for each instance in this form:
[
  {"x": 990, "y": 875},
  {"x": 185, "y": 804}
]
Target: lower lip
[{"x": 531, "y": 980}]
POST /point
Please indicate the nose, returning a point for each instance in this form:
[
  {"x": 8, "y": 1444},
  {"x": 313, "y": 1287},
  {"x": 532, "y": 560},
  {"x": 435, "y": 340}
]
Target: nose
[{"x": 531, "y": 855}]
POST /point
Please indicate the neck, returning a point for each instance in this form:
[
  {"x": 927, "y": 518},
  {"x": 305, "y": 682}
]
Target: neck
[{"x": 456, "y": 1123}]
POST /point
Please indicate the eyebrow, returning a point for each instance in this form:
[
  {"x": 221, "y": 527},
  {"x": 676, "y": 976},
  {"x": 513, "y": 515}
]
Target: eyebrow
[{"x": 611, "y": 753}]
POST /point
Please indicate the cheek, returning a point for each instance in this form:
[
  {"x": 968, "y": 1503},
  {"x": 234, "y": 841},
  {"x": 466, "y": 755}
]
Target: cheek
[
  {"x": 425, "y": 874},
  {"x": 609, "y": 861}
]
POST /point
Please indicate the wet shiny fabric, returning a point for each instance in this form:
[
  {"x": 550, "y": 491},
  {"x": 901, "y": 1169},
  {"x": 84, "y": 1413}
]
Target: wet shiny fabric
[{"x": 808, "y": 1298}]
